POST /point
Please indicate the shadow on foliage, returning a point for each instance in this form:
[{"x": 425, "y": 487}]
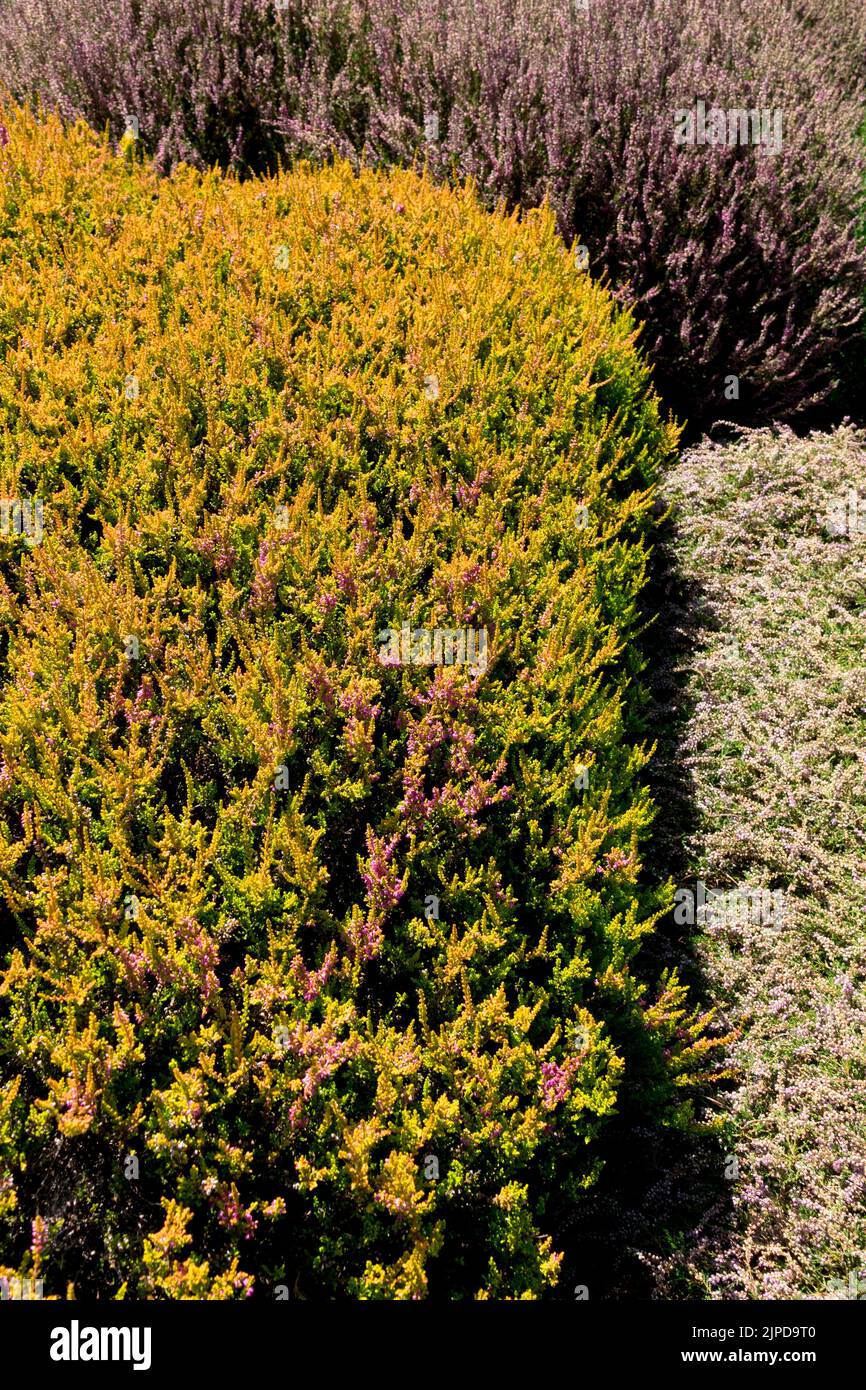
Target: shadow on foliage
[{"x": 663, "y": 1191}]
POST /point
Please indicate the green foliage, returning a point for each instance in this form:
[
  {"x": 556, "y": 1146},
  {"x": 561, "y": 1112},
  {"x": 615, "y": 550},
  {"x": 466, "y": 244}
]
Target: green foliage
[{"x": 268, "y": 422}]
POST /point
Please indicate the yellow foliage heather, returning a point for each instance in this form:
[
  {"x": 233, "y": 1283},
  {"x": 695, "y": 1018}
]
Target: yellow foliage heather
[{"x": 317, "y": 953}]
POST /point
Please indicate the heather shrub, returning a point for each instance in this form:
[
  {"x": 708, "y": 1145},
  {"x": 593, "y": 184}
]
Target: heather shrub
[
  {"x": 738, "y": 264},
  {"x": 768, "y": 786},
  {"x": 318, "y": 963}
]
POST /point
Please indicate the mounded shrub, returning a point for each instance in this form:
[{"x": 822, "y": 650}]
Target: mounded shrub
[
  {"x": 736, "y": 263},
  {"x": 318, "y": 966}
]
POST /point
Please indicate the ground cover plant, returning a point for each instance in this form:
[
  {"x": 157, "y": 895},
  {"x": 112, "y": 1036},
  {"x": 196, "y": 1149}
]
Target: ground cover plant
[
  {"x": 322, "y": 800},
  {"x": 741, "y": 260},
  {"x": 767, "y": 787}
]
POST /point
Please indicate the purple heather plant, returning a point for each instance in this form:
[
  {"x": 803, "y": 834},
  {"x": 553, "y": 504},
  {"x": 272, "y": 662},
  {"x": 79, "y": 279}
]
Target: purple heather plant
[{"x": 739, "y": 264}]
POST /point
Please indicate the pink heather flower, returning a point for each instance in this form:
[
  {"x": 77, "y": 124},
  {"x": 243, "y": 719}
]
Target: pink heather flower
[
  {"x": 367, "y": 939},
  {"x": 367, "y": 524},
  {"x": 320, "y": 683},
  {"x": 323, "y": 1053},
  {"x": 78, "y": 1101},
  {"x": 345, "y": 582},
  {"x": 353, "y": 702},
  {"x": 39, "y": 1233},
  {"x": 230, "y": 1213},
  {"x": 313, "y": 981},
  {"x": 380, "y": 875},
  {"x": 136, "y": 965},
  {"x": 137, "y": 713},
  {"x": 219, "y": 551},
  {"x": 556, "y": 1081},
  {"x": 281, "y": 732},
  {"x": 615, "y": 861},
  {"x": 206, "y": 958},
  {"x": 263, "y": 589}
]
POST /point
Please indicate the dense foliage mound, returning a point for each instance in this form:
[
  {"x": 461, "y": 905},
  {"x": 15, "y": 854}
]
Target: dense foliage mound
[
  {"x": 317, "y": 945},
  {"x": 740, "y": 260}
]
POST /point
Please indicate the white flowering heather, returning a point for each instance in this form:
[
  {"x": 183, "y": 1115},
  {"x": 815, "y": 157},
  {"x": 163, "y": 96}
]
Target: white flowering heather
[{"x": 771, "y": 779}]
